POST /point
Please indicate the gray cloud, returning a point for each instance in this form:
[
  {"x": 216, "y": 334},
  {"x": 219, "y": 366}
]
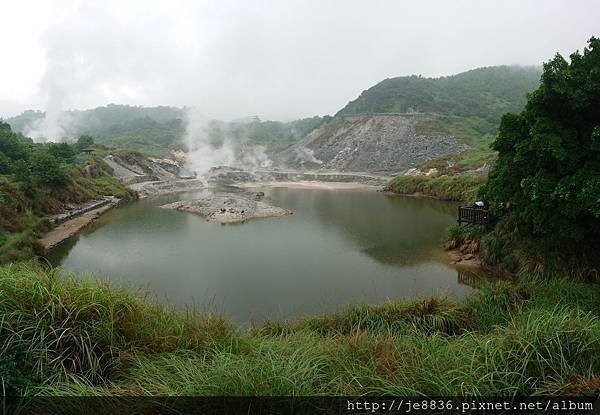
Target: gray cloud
[{"x": 284, "y": 59}]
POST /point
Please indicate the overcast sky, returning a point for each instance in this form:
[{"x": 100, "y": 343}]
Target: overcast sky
[{"x": 279, "y": 59}]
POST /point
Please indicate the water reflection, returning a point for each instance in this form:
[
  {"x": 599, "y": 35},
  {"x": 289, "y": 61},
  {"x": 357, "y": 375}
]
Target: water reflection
[
  {"x": 339, "y": 248},
  {"x": 393, "y": 230}
]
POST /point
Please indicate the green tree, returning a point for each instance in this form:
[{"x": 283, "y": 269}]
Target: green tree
[
  {"x": 5, "y": 164},
  {"x": 10, "y": 144},
  {"x": 62, "y": 151},
  {"x": 22, "y": 174},
  {"x": 84, "y": 141},
  {"x": 48, "y": 168},
  {"x": 549, "y": 155}
]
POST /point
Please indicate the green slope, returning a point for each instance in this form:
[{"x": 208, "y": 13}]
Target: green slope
[{"x": 485, "y": 93}]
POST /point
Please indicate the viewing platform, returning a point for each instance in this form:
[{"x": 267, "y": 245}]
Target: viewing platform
[{"x": 474, "y": 214}]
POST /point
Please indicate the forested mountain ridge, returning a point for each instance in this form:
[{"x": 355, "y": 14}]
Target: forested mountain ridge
[
  {"x": 483, "y": 92},
  {"x": 98, "y": 120},
  {"x": 156, "y": 130},
  {"x": 152, "y": 129},
  {"x": 467, "y": 106}
]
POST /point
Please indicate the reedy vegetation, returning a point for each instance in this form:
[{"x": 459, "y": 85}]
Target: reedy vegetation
[{"x": 67, "y": 335}]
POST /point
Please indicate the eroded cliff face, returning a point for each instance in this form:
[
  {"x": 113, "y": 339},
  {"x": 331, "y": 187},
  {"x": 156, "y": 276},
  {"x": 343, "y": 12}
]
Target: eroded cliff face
[
  {"x": 380, "y": 143},
  {"x": 133, "y": 167},
  {"x": 150, "y": 176}
]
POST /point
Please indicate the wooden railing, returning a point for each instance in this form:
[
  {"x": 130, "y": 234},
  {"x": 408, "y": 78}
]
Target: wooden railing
[{"x": 477, "y": 216}]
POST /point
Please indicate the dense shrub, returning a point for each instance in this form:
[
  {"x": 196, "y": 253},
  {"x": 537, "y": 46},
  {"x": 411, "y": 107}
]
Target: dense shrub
[
  {"x": 48, "y": 168},
  {"x": 62, "y": 151},
  {"x": 548, "y": 164}
]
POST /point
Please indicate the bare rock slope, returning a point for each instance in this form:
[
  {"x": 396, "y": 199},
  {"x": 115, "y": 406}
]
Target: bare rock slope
[
  {"x": 133, "y": 168},
  {"x": 151, "y": 176},
  {"x": 377, "y": 143}
]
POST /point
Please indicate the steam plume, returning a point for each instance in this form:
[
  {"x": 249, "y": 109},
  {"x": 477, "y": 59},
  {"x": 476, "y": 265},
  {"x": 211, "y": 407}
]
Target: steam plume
[{"x": 206, "y": 152}]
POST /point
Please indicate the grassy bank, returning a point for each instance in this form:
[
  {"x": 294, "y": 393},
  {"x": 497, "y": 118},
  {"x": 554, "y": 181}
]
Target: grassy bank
[
  {"x": 454, "y": 188},
  {"x": 24, "y": 210},
  {"x": 64, "y": 335}
]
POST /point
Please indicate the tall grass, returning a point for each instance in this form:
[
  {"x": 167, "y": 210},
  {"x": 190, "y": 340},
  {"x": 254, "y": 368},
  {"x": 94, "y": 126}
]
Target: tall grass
[
  {"x": 65, "y": 336},
  {"x": 66, "y": 327}
]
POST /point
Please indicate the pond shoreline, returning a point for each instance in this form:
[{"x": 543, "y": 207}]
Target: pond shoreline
[
  {"x": 72, "y": 227},
  {"x": 419, "y": 195},
  {"x": 340, "y": 246}
]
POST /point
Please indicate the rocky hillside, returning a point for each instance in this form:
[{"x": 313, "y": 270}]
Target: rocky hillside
[
  {"x": 132, "y": 167},
  {"x": 377, "y": 143},
  {"x": 407, "y": 122},
  {"x": 150, "y": 176}
]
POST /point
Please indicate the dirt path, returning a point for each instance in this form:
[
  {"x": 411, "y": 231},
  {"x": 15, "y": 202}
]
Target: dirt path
[{"x": 72, "y": 227}]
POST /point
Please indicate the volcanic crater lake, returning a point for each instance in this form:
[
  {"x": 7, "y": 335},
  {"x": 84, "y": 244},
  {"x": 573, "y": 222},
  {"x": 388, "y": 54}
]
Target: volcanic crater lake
[{"x": 340, "y": 247}]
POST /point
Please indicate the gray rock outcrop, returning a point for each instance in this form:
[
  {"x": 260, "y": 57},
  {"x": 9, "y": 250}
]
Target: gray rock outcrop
[
  {"x": 228, "y": 208},
  {"x": 379, "y": 143},
  {"x": 150, "y": 176}
]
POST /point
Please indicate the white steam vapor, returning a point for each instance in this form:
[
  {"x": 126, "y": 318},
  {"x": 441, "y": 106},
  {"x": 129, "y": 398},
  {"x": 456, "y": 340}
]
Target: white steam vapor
[
  {"x": 53, "y": 127},
  {"x": 204, "y": 154},
  {"x": 94, "y": 61}
]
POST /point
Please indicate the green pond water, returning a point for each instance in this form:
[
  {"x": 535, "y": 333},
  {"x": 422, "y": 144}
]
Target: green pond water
[{"x": 340, "y": 247}]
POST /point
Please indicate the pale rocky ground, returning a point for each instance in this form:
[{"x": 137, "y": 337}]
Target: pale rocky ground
[
  {"x": 163, "y": 176},
  {"x": 230, "y": 175},
  {"x": 163, "y": 187},
  {"x": 152, "y": 176},
  {"x": 229, "y": 208},
  {"x": 142, "y": 169}
]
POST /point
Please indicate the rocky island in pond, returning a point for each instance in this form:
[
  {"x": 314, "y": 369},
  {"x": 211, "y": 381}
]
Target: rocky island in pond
[{"x": 229, "y": 208}]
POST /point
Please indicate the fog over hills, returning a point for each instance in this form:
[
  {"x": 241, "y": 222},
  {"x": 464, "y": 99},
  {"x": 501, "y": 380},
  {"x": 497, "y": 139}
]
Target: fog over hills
[
  {"x": 484, "y": 92},
  {"x": 278, "y": 60}
]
